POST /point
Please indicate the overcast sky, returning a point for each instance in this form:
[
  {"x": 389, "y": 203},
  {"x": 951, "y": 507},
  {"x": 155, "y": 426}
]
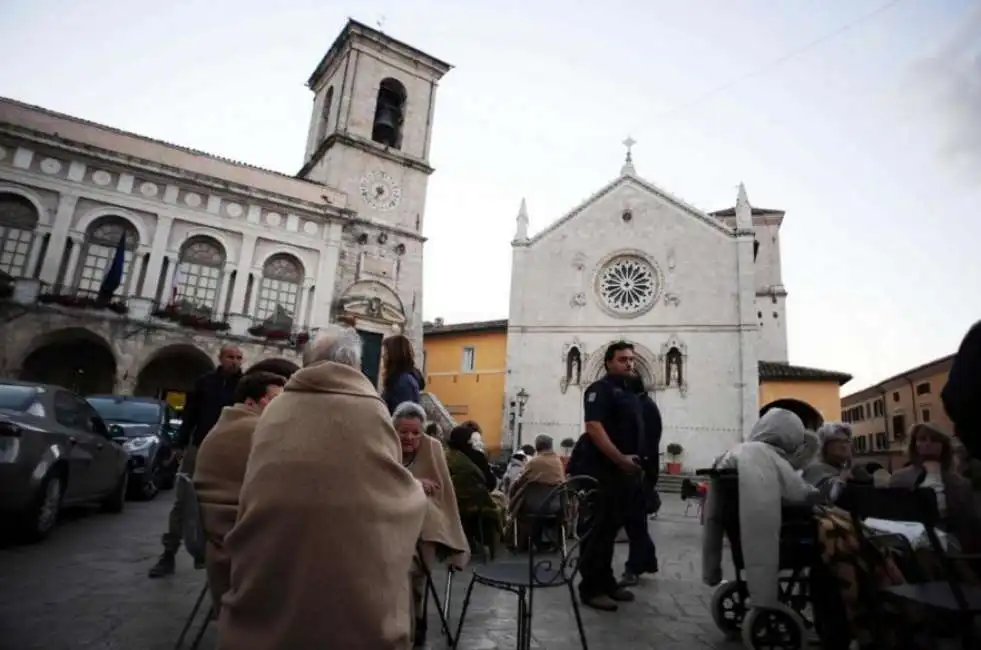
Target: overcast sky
[{"x": 860, "y": 118}]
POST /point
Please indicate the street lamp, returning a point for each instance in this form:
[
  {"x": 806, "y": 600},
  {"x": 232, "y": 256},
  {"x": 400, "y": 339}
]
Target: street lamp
[{"x": 522, "y": 397}]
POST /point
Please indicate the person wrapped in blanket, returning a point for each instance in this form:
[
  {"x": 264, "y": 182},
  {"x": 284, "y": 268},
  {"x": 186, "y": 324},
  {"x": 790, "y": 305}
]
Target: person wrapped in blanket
[
  {"x": 473, "y": 483},
  {"x": 833, "y": 469}
]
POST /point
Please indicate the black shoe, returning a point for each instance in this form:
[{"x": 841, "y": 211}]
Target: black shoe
[
  {"x": 163, "y": 567},
  {"x": 629, "y": 579},
  {"x": 621, "y": 595},
  {"x": 420, "y": 633}
]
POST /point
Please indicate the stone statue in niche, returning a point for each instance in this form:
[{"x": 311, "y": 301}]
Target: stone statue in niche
[
  {"x": 673, "y": 367},
  {"x": 573, "y": 366}
]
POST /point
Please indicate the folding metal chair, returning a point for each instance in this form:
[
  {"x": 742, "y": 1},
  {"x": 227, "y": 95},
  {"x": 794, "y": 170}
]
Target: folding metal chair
[
  {"x": 443, "y": 608},
  {"x": 195, "y": 543}
]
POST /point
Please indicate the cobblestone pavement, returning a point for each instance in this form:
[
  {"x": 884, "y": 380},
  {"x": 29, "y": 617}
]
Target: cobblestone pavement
[{"x": 86, "y": 588}]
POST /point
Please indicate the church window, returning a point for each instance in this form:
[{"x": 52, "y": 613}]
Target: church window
[
  {"x": 99, "y": 249},
  {"x": 325, "y": 113},
  {"x": 279, "y": 290},
  {"x": 628, "y": 285},
  {"x": 18, "y": 218},
  {"x": 673, "y": 367},
  {"x": 389, "y": 114},
  {"x": 573, "y": 367},
  {"x": 199, "y": 275}
]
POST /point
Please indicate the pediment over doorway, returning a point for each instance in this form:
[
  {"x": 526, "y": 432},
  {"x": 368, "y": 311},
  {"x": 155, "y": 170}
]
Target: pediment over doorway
[{"x": 372, "y": 300}]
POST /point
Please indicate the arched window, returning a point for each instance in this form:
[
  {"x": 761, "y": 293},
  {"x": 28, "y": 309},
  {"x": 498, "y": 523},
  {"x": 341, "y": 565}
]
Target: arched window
[
  {"x": 389, "y": 113},
  {"x": 325, "y": 113},
  {"x": 18, "y": 218},
  {"x": 199, "y": 273},
  {"x": 279, "y": 290},
  {"x": 573, "y": 366},
  {"x": 99, "y": 248}
]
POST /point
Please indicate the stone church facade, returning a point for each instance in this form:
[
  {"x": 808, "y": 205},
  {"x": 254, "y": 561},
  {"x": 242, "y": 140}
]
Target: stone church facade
[
  {"x": 216, "y": 251},
  {"x": 699, "y": 295}
]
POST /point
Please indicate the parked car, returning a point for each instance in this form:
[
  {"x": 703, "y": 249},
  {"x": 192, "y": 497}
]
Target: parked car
[
  {"x": 145, "y": 427},
  {"x": 55, "y": 451}
]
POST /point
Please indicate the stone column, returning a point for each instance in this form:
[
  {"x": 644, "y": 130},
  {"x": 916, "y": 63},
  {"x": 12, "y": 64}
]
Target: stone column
[
  {"x": 35, "y": 252},
  {"x": 301, "y": 304},
  {"x": 326, "y": 277},
  {"x": 136, "y": 270},
  {"x": 78, "y": 242},
  {"x": 254, "y": 298},
  {"x": 242, "y": 279},
  {"x": 59, "y": 238},
  {"x": 226, "y": 286},
  {"x": 168, "y": 282},
  {"x": 158, "y": 250}
]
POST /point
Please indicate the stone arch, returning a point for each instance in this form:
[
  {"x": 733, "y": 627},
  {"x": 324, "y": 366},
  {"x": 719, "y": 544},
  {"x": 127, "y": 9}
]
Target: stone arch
[
  {"x": 85, "y": 221},
  {"x": 206, "y": 233},
  {"x": 645, "y": 363},
  {"x": 25, "y": 193},
  {"x": 280, "y": 251},
  {"x": 374, "y": 300},
  {"x": 172, "y": 367},
  {"x": 73, "y": 357},
  {"x": 277, "y": 365},
  {"x": 809, "y": 415}
]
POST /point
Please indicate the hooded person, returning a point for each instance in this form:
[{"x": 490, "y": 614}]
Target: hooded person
[
  {"x": 832, "y": 468},
  {"x": 329, "y": 518},
  {"x": 962, "y": 394},
  {"x": 403, "y": 381},
  {"x": 220, "y": 469},
  {"x": 768, "y": 464}
]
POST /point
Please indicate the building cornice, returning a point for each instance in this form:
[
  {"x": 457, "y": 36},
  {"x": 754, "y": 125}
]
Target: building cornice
[{"x": 367, "y": 146}]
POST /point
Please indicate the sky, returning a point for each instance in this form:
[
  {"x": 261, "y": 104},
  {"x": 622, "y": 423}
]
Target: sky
[{"x": 860, "y": 118}]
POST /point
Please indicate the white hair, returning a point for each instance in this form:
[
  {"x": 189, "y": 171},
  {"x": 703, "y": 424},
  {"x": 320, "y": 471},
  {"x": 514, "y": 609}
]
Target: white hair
[
  {"x": 407, "y": 411},
  {"x": 335, "y": 343}
]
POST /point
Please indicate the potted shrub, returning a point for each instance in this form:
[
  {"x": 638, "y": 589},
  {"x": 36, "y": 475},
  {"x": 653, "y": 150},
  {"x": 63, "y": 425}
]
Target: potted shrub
[{"x": 674, "y": 451}]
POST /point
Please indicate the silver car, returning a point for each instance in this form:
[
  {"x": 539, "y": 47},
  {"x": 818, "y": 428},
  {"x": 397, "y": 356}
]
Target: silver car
[{"x": 55, "y": 451}]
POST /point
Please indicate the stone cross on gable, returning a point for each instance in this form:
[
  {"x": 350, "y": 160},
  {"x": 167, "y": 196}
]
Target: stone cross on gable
[
  {"x": 629, "y": 144},
  {"x": 628, "y": 165}
]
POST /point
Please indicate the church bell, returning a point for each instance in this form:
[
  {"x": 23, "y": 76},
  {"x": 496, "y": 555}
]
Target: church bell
[{"x": 387, "y": 122}]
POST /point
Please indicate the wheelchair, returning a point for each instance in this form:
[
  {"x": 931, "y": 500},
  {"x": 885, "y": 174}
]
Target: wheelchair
[{"x": 776, "y": 629}]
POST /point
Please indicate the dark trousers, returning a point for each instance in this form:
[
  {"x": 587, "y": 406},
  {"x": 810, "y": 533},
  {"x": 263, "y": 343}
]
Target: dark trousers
[
  {"x": 607, "y": 517},
  {"x": 642, "y": 557}
]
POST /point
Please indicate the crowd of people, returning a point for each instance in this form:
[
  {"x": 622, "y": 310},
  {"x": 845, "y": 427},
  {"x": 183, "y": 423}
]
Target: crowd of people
[{"x": 325, "y": 500}]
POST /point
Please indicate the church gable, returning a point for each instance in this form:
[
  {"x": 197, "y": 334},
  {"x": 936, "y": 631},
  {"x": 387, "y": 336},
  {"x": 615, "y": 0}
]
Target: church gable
[{"x": 639, "y": 197}]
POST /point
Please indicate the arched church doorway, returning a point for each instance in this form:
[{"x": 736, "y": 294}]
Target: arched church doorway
[
  {"x": 281, "y": 367},
  {"x": 172, "y": 369},
  {"x": 74, "y": 358},
  {"x": 809, "y": 415}
]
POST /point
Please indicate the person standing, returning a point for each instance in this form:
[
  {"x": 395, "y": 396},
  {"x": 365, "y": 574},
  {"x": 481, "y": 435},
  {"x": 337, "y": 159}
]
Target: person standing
[
  {"x": 642, "y": 556},
  {"x": 403, "y": 381},
  {"x": 962, "y": 392},
  {"x": 611, "y": 454},
  {"x": 211, "y": 393}
]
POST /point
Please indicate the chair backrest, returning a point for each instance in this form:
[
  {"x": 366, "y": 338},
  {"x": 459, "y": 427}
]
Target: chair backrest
[
  {"x": 537, "y": 500},
  {"x": 579, "y": 493},
  {"x": 195, "y": 540},
  {"x": 894, "y": 504}
]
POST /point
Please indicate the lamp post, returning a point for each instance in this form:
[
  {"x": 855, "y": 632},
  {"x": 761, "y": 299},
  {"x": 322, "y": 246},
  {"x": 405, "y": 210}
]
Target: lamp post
[{"x": 522, "y": 397}]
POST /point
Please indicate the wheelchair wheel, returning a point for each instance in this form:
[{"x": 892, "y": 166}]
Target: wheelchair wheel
[
  {"x": 774, "y": 629},
  {"x": 728, "y": 608}
]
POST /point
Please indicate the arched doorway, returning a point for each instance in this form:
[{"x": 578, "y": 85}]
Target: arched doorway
[
  {"x": 172, "y": 369},
  {"x": 809, "y": 415},
  {"x": 74, "y": 358},
  {"x": 281, "y": 367}
]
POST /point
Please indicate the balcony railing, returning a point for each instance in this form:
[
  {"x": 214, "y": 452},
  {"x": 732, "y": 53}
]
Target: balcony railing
[{"x": 29, "y": 291}]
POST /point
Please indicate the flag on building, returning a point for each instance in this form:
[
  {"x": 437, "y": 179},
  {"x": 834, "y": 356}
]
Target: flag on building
[
  {"x": 176, "y": 284},
  {"x": 114, "y": 274}
]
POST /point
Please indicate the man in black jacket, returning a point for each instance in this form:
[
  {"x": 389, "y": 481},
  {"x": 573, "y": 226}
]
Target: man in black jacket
[
  {"x": 962, "y": 394},
  {"x": 212, "y": 392}
]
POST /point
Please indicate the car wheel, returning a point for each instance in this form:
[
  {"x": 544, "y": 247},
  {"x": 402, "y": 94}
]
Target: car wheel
[
  {"x": 43, "y": 515},
  {"x": 116, "y": 500}
]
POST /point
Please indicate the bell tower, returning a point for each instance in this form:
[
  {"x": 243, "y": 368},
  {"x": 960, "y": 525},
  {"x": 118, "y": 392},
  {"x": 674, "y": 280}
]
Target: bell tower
[{"x": 371, "y": 124}]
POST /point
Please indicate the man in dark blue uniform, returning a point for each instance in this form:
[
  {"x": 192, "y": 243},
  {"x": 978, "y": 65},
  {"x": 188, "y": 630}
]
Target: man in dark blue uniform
[{"x": 610, "y": 452}]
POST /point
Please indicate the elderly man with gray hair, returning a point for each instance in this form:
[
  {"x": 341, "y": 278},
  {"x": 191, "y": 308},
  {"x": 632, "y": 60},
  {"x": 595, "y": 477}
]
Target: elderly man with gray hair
[
  {"x": 328, "y": 516},
  {"x": 832, "y": 468}
]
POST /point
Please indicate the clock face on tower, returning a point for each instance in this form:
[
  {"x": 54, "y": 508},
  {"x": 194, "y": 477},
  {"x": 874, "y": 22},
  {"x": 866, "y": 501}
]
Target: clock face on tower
[{"x": 380, "y": 191}]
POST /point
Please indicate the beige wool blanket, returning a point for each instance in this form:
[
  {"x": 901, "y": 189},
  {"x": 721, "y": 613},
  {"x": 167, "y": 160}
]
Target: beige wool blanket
[
  {"x": 218, "y": 475},
  {"x": 545, "y": 468},
  {"x": 442, "y": 526},
  {"x": 328, "y": 523}
]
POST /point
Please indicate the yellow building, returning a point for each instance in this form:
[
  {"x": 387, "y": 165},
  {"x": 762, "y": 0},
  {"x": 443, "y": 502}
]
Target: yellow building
[
  {"x": 882, "y": 415},
  {"x": 465, "y": 366}
]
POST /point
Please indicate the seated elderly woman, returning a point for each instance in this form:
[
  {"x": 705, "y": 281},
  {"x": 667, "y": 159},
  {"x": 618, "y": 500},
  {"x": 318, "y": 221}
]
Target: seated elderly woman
[
  {"x": 527, "y": 493},
  {"x": 480, "y": 514},
  {"x": 767, "y": 463},
  {"x": 442, "y": 533},
  {"x": 833, "y": 468}
]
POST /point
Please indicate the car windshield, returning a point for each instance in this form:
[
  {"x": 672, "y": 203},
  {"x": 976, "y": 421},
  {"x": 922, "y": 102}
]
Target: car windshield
[
  {"x": 124, "y": 411},
  {"x": 15, "y": 397}
]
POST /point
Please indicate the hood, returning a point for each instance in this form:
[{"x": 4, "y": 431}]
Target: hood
[
  {"x": 784, "y": 431},
  {"x": 236, "y": 412},
  {"x": 330, "y": 377}
]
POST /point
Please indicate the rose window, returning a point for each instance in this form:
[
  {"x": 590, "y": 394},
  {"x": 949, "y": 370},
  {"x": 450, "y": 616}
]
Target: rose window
[{"x": 628, "y": 285}]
